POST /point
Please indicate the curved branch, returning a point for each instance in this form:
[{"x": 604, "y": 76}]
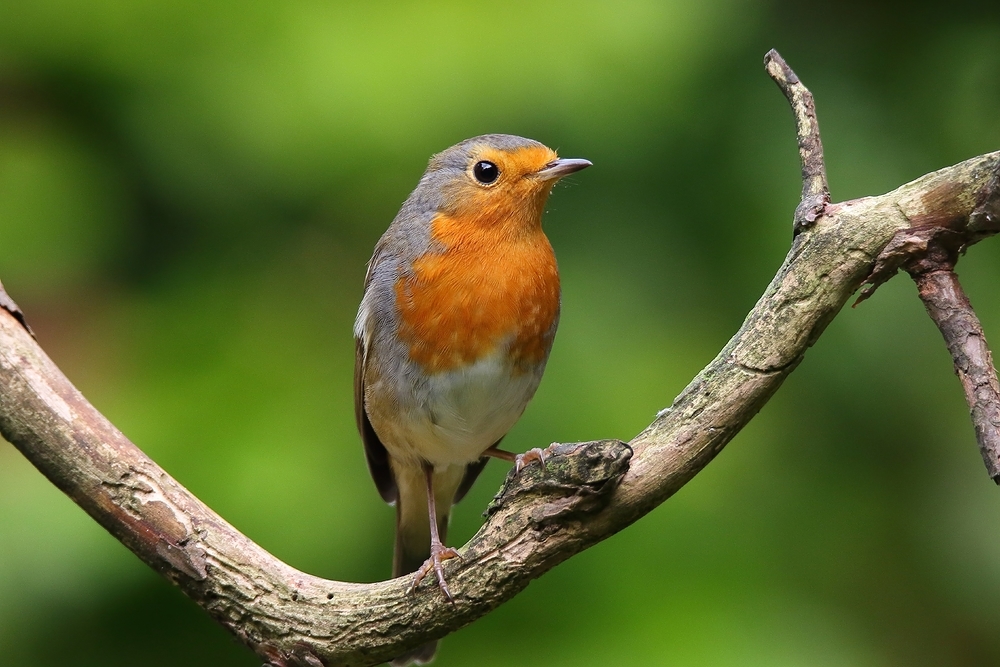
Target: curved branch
[
  {"x": 587, "y": 492},
  {"x": 815, "y": 190}
]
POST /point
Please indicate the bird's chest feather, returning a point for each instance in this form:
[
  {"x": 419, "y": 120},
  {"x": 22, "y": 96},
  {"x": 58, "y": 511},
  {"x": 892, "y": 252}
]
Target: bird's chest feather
[{"x": 486, "y": 293}]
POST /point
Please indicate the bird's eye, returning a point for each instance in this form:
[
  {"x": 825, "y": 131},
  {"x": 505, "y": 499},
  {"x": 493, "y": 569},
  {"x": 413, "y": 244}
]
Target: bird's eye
[{"x": 486, "y": 172}]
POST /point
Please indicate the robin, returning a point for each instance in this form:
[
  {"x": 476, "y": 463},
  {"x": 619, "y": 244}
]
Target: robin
[{"x": 460, "y": 307}]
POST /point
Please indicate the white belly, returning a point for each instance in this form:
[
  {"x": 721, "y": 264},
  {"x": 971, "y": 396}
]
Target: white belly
[{"x": 461, "y": 413}]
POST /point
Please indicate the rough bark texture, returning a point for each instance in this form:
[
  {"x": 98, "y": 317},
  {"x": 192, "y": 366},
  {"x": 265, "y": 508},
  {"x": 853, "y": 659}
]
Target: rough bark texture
[
  {"x": 587, "y": 492},
  {"x": 815, "y": 191},
  {"x": 8, "y": 304},
  {"x": 950, "y": 309}
]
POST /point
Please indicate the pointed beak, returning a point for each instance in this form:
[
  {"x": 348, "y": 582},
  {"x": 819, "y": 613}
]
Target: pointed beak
[{"x": 561, "y": 167}]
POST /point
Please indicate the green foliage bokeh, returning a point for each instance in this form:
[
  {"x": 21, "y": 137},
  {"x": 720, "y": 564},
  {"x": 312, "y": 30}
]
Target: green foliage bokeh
[{"x": 189, "y": 192}]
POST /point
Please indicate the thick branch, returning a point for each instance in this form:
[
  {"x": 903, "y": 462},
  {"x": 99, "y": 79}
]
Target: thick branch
[{"x": 587, "y": 492}]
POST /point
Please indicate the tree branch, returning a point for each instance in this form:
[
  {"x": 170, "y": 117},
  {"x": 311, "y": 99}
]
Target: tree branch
[
  {"x": 815, "y": 191},
  {"x": 587, "y": 492},
  {"x": 8, "y": 304},
  {"x": 950, "y": 309},
  {"x": 940, "y": 231}
]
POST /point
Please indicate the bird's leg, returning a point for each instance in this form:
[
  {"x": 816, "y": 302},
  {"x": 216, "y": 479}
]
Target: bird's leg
[
  {"x": 439, "y": 552},
  {"x": 519, "y": 460}
]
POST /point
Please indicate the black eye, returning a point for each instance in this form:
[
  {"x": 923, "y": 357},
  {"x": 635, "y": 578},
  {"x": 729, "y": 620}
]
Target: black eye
[{"x": 486, "y": 172}]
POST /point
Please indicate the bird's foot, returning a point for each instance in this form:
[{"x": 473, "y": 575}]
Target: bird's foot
[
  {"x": 533, "y": 454},
  {"x": 520, "y": 460},
  {"x": 439, "y": 554}
]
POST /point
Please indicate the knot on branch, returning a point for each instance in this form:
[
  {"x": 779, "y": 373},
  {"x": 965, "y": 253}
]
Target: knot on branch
[
  {"x": 942, "y": 227},
  {"x": 915, "y": 250},
  {"x": 135, "y": 498},
  {"x": 577, "y": 477},
  {"x": 811, "y": 207}
]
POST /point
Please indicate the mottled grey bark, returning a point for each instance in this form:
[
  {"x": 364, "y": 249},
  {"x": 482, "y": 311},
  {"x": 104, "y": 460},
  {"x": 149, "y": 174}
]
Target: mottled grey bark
[{"x": 586, "y": 493}]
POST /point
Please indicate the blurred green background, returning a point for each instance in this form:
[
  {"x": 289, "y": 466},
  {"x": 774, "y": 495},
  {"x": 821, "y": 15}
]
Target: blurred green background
[{"x": 189, "y": 192}]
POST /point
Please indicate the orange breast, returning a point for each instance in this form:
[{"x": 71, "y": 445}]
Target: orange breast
[{"x": 488, "y": 287}]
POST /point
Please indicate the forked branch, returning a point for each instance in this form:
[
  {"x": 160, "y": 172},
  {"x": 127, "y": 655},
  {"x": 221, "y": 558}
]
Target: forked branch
[
  {"x": 588, "y": 491},
  {"x": 928, "y": 251}
]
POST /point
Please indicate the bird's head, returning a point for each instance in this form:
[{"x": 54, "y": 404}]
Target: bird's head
[{"x": 497, "y": 180}]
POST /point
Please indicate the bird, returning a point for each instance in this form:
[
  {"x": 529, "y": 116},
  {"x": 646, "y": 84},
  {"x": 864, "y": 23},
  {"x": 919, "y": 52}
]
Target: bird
[{"x": 459, "y": 311}]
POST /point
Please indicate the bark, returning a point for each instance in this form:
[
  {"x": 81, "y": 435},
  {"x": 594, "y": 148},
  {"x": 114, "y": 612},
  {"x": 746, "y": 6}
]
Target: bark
[
  {"x": 587, "y": 492},
  {"x": 950, "y": 309}
]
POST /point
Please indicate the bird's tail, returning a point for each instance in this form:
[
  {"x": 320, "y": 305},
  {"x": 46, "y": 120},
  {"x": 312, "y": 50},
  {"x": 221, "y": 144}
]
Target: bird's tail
[
  {"x": 413, "y": 548},
  {"x": 413, "y": 534}
]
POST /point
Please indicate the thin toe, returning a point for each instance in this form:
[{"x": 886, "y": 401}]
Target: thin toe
[
  {"x": 435, "y": 564},
  {"x": 533, "y": 454}
]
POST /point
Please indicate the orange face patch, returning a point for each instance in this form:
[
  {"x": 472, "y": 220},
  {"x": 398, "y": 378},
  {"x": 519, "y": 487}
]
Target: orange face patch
[
  {"x": 489, "y": 286},
  {"x": 514, "y": 201}
]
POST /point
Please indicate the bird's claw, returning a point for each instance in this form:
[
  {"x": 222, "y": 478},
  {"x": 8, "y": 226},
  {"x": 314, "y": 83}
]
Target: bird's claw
[
  {"x": 533, "y": 454},
  {"x": 439, "y": 554}
]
